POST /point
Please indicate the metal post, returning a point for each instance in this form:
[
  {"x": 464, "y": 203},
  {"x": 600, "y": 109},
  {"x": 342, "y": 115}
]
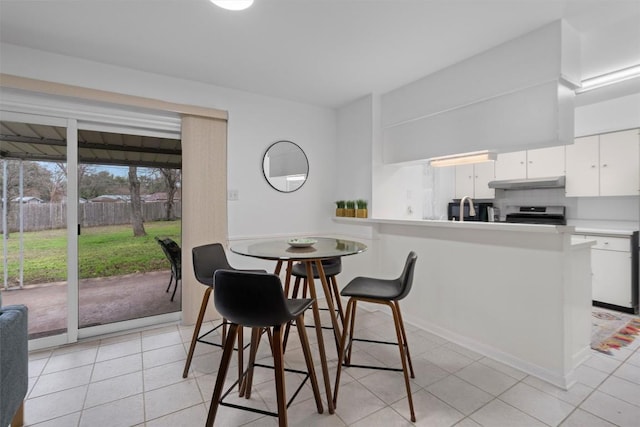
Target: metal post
[
  {"x": 5, "y": 175},
  {"x": 21, "y": 223}
]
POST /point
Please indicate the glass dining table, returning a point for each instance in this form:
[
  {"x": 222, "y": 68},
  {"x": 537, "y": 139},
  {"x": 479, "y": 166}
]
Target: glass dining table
[{"x": 309, "y": 251}]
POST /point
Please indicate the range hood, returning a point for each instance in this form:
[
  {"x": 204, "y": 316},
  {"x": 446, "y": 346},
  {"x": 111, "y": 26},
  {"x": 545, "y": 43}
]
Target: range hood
[{"x": 531, "y": 183}]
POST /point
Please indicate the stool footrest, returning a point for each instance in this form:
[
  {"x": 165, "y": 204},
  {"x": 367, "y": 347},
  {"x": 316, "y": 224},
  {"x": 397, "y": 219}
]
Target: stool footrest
[
  {"x": 381, "y": 368},
  {"x": 202, "y": 340},
  {"x": 375, "y": 341},
  {"x": 261, "y": 411}
]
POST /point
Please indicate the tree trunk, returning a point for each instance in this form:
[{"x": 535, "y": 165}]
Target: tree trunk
[
  {"x": 137, "y": 220},
  {"x": 170, "y": 180}
]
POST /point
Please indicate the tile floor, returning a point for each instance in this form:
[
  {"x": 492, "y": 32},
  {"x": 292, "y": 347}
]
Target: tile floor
[{"x": 136, "y": 380}]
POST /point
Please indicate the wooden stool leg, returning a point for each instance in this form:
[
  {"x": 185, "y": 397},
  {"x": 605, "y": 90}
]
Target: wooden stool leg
[
  {"x": 18, "y": 418},
  {"x": 404, "y": 336},
  {"x": 342, "y": 350},
  {"x": 294, "y": 294},
  {"x": 240, "y": 356},
  {"x": 222, "y": 374},
  {"x": 353, "y": 322},
  {"x": 396, "y": 321},
  {"x": 278, "y": 368},
  {"x": 304, "y": 340},
  {"x": 336, "y": 293},
  {"x": 196, "y": 331},
  {"x": 256, "y": 333}
]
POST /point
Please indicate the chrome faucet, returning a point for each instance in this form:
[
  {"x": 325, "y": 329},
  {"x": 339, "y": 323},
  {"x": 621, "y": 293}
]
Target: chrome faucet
[{"x": 472, "y": 211}]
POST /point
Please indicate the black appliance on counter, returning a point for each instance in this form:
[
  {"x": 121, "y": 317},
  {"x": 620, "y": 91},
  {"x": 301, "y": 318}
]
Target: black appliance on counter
[
  {"x": 550, "y": 215},
  {"x": 453, "y": 211}
]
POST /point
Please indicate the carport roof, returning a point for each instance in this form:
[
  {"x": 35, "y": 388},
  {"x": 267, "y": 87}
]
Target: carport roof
[{"x": 48, "y": 143}]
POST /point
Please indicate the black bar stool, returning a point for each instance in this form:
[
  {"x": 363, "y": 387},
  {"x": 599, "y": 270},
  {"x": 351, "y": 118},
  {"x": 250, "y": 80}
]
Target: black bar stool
[
  {"x": 256, "y": 300},
  {"x": 379, "y": 291},
  {"x": 207, "y": 259}
]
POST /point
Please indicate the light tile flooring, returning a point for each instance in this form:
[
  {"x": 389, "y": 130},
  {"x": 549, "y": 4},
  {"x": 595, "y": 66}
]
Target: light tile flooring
[{"x": 136, "y": 380}]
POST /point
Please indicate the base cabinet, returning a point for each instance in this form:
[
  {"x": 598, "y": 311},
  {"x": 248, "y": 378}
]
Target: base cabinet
[
  {"x": 614, "y": 267},
  {"x": 611, "y": 277}
]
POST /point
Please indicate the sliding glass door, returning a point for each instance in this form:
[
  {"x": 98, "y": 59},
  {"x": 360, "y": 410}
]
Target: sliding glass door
[
  {"x": 69, "y": 249},
  {"x": 35, "y": 238},
  {"x": 127, "y": 203}
]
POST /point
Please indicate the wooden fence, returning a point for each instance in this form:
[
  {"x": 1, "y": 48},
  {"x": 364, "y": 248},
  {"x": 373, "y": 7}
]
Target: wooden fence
[{"x": 47, "y": 216}]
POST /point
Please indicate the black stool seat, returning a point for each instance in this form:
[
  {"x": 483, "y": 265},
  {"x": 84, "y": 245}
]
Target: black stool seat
[
  {"x": 368, "y": 287},
  {"x": 331, "y": 267},
  {"x": 257, "y": 300}
]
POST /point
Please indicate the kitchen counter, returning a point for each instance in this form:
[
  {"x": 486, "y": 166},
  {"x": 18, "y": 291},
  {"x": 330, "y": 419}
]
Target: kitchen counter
[
  {"x": 518, "y": 293},
  {"x": 603, "y": 231},
  {"x": 605, "y": 228},
  {"x": 464, "y": 225}
]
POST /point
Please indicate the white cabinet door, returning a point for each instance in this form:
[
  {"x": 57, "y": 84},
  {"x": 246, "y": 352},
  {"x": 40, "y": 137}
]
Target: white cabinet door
[
  {"x": 464, "y": 181},
  {"x": 620, "y": 163},
  {"x": 611, "y": 277},
  {"x": 483, "y": 173},
  {"x": 582, "y": 167},
  {"x": 545, "y": 162},
  {"x": 511, "y": 165}
]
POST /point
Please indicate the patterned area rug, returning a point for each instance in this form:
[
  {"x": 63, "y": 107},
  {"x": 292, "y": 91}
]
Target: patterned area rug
[{"x": 612, "y": 330}]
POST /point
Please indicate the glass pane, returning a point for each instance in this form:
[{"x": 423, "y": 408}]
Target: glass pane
[
  {"x": 34, "y": 243},
  {"x": 123, "y": 271}
]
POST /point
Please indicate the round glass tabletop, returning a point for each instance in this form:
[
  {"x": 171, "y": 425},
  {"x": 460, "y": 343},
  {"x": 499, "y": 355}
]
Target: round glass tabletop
[{"x": 300, "y": 249}]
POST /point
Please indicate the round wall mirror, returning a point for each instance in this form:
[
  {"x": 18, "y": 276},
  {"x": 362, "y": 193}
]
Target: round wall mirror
[{"x": 285, "y": 166}]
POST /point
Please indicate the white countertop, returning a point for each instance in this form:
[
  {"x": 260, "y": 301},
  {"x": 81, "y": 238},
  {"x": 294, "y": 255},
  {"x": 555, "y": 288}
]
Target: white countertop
[
  {"x": 585, "y": 227},
  {"x": 606, "y": 228},
  {"x": 465, "y": 225}
]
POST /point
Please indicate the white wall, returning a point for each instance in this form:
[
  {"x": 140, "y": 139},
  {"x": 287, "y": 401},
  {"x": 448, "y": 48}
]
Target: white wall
[
  {"x": 609, "y": 115},
  {"x": 254, "y": 123},
  {"x": 352, "y": 165}
]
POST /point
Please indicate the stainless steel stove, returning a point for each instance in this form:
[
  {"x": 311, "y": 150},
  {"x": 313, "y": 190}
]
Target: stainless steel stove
[{"x": 550, "y": 215}]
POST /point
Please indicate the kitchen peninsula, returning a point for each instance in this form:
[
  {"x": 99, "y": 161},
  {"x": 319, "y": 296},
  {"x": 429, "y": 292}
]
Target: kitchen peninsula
[{"x": 518, "y": 293}]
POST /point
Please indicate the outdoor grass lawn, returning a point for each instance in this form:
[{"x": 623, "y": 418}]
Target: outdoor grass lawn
[{"x": 103, "y": 251}]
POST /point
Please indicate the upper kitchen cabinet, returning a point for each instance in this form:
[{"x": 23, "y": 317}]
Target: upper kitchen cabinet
[
  {"x": 538, "y": 163},
  {"x": 544, "y": 162},
  {"x": 604, "y": 165},
  {"x": 473, "y": 180},
  {"x": 511, "y": 165},
  {"x": 620, "y": 163},
  {"x": 583, "y": 174}
]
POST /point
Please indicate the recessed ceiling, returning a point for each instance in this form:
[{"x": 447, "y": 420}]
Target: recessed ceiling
[{"x": 321, "y": 52}]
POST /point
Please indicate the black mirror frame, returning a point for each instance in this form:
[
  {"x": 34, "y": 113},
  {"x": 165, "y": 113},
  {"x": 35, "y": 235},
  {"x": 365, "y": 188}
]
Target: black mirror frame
[{"x": 264, "y": 172}]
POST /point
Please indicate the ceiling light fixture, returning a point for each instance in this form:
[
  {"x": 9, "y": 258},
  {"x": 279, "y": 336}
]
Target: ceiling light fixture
[
  {"x": 463, "y": 159},
  {"x": 233, "y": 4},
  {"x": 609, "y": 78}
]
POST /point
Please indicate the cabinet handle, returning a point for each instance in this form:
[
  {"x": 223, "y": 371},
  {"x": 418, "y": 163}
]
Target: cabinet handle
[
  {"x": 604, "y": 165},
  {"x": 593, "y": 166}
]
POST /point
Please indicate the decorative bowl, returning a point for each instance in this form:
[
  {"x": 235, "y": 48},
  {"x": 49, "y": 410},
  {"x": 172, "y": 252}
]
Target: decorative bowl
[{"x": 301, "y": 242}]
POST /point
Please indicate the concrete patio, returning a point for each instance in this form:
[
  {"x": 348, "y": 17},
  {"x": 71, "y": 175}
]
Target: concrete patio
[{"x": 102, "y": 300}]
